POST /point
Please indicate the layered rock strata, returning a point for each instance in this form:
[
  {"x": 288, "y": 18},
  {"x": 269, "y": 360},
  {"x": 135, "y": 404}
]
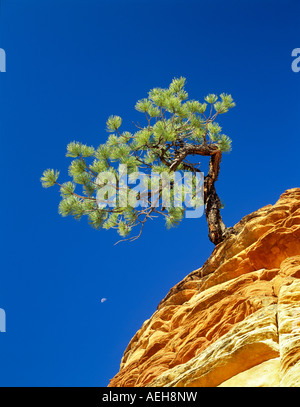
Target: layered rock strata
[{"x": 236, "y": 320}]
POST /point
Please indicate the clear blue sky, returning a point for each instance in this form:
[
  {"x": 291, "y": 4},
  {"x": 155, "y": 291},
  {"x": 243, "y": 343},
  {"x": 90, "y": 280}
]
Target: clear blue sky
[{"x": 71, "y": 64}]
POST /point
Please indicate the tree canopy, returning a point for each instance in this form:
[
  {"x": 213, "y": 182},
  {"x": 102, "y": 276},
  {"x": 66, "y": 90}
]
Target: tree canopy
[{"x": 175, "y": 131}]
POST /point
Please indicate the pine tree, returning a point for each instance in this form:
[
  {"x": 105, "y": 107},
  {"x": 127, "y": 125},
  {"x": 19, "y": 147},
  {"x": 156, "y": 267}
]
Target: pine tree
[{"x": 176, "y": 131}]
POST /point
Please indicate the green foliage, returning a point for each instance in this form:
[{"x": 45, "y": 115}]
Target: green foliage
[
  {"x": 142, "y": 138},
  {"x": 67, "y": 189},
  {"x": 211, "y": 98},
  {"x": 97, "y": 218},
  {"x": 123, "y": 229},
  {"x": 49, "y": 178},
  {"x": 70, "y": 205},
  {"x": 113, "y": 123},
  {"x": 143, "y": 105},
  {"x": 98, "y": 166},
  {"x": 224, "y": 143},
  {"x": 77, "y": 167},
  {"x": 172, "y": 121},
  {"x": 75, "y": 149},
  {"x": 103, "y": 152},
  {"x": 174, "y": 217}
]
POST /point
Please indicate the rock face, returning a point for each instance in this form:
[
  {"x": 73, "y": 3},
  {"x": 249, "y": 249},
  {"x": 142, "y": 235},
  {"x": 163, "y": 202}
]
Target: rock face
[{"x": 236, "y": 320}]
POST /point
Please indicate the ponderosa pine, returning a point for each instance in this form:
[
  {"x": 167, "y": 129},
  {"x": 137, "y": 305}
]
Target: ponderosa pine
[{"x": 176, "y": 131}]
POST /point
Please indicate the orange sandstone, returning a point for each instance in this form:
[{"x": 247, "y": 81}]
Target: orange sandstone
[{"x": 236, "y": 320}]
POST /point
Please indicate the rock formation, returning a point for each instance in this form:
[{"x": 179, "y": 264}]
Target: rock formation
[{"x": 236, "y": 320}]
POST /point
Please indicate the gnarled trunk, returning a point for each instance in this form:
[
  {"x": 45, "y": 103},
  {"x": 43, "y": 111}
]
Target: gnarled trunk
[
  {"x": 217, "y": 230},
  {"x": 216, "y": 227}
]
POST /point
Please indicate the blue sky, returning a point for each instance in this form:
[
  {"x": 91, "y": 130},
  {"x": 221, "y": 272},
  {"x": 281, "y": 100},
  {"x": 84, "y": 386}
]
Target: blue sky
[{"x": 71, "y": 64}]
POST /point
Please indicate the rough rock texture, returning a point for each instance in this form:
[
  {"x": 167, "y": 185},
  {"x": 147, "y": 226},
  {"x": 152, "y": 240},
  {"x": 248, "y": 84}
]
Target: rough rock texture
[{"x": 236, "y": 320}]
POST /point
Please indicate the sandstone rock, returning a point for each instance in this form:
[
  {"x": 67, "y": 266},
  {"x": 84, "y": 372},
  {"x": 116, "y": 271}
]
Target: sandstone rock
[
  {"x": 236, "y": 320},
  {"x": 265, "y": 374},
  {"x": 249, "y": 343},
  {"x": 289, "y": 333}
]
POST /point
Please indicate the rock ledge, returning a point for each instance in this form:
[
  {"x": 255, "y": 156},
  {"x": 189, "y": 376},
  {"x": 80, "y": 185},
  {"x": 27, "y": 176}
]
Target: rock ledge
[{"x": 236, "y": 320}]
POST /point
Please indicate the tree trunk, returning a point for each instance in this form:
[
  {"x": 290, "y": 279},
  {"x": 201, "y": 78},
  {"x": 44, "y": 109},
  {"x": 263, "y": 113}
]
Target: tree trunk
[
  {"x": 217, "y": 230},
  {"x": 216, "y": 227}
]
